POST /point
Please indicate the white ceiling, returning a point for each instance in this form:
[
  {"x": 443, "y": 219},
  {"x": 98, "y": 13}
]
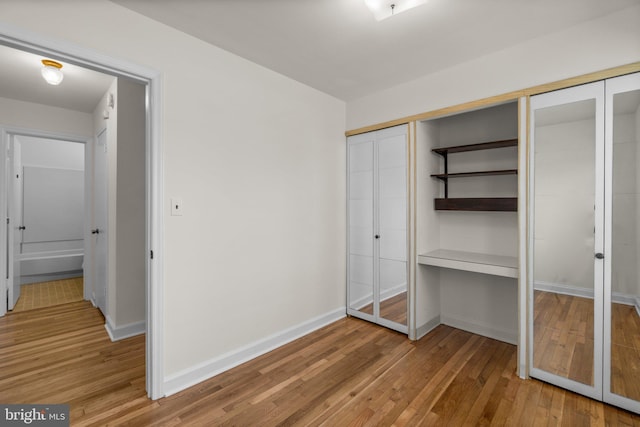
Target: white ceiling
[
  {"x": 20, "y": 79},
  {"x": 337, "y": 46}
]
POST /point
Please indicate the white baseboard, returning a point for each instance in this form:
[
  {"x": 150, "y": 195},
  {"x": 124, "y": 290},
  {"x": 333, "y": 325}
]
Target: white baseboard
[
  {"x": 503, "y": 335},
  {"x": 423, "y": 330},
  {"x": 203, "y": 371},
  {"x": 563, "y": 289},
  {"x": 560, "y": 288},
  {"x": 125, "y": 331}
]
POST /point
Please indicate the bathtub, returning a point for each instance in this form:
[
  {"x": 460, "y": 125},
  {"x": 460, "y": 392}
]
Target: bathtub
[{"x": 46, "y": 266}]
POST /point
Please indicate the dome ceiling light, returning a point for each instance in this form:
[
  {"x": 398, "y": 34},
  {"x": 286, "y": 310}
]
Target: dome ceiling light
[{"x": 52, "y": 72}]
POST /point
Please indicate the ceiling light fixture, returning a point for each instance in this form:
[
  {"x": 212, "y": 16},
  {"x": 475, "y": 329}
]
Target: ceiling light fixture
[
  {"x": 52, "y": 72},
  {"x": 383, "y": 9}
]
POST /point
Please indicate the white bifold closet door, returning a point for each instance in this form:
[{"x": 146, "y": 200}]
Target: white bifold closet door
[
  {"x": 377, "y": 220},
  {"x": 584, "y": 232}
]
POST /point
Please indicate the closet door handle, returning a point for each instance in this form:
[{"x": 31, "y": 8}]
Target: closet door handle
[
  {"x": 96, "y": 231},
  {"x": 22, "y": 227},
  {"x": 377, "y": 236},
  {"x": 600, "y": 255}
]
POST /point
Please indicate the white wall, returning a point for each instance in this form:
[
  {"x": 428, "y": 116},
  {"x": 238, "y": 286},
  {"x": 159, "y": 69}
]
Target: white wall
[
  {"x": 130, "y": 252},
  {"x": 564, "y": 203},
  {"x": 259, "y": 161},
  {"x": 595, "y": 45},
  {"x": 60, "y": 227},
  {"x": 27, "y": 115},
  {"x": 50, "y": 153},
  {"x": 626, "y": 197}
]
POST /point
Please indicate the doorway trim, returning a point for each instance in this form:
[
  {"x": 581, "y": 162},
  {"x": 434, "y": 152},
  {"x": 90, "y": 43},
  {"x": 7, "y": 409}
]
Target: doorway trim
[
  {"x": 27, "y": 41},
  {"x": 5, "y": 134}
]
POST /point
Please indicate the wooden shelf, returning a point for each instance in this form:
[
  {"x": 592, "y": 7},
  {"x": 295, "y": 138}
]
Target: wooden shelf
[
  {"x": 444, "y": 176},
  {"x": 492, "y": 204},
  {"x": 477, "y": 147},
  {"x": 497, "y": 265}
]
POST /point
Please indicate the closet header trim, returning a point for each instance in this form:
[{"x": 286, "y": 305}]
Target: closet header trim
[{"x": 510, "y": 96}]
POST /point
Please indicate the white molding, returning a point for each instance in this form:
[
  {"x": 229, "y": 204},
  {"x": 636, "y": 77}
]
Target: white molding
[
  {"x": 484, "y": 330},
  {"x": 617, "y": 297},
  {"x": 561, "y": 288},
  {"x": 117, "y": 333},
  {"x": 203, "y": 371},
  {"x": 19, "y": 38},
  {"x": 424, "y": 329},
  {"x": 523, "y": 198}
]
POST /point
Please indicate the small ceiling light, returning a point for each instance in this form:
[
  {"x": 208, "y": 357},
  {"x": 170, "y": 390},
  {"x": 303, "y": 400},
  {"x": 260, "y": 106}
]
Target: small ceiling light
[
  {"x": 52, "y": 72},
  {"x": 383, "y": 9}
]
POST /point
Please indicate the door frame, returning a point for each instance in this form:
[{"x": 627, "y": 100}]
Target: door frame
[
  {"x": 6, "y": 132},
  {"x": 31, "y": 42}
]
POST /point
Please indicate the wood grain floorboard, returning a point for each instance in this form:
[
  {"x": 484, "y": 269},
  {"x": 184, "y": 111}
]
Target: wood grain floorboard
[{"x": 349, "y": 373}]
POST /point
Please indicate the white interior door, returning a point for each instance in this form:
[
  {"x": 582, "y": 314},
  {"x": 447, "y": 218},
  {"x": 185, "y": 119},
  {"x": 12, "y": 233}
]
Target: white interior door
[
  {"x": 99, "y": 229},
  {"x": 15, "y": 222}
]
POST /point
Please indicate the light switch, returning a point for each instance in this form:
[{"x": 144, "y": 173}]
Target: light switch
[{"x": 176, "y": 206}]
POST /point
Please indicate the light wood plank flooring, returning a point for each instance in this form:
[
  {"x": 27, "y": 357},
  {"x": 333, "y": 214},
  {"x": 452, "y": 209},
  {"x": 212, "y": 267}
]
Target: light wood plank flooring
[
  {"x": 625, "y": 351},
  {"x": 563, "y": 334},
  {"x": 350, "y": 373},
  {"x": 46, "y": 294}
]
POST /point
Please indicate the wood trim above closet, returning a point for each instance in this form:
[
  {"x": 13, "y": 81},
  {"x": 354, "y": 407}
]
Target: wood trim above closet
[{"x": 510, "y": 96}]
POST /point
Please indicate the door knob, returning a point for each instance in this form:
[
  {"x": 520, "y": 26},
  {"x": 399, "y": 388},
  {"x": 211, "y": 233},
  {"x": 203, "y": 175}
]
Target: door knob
[
  {"x": 600, "y": 255},
  {"x": 96, "y": 231},
  {"x": 377, "y": 236},
  {"x": 22, "y": 227}
]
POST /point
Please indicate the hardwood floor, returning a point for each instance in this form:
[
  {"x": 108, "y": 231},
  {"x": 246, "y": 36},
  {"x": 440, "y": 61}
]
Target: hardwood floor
[
  {"x": 46, "y": 294},
  {"x": 563, "y": 335},
  {"x": 350, "y": 373},
  {"x": 625, "y": 351}
]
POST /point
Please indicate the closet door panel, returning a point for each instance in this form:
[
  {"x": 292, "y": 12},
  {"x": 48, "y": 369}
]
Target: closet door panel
[
  {"x": 566, "y": 233},
  {"x": 622, "y": 265},
  {"x": 361, "y": 225},
  {"x": 378, "y": 268},
  {"x": 392, "y": 223}
]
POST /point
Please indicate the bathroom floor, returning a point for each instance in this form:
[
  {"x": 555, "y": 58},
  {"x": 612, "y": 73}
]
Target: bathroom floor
[{"x": 46, "y": 294}]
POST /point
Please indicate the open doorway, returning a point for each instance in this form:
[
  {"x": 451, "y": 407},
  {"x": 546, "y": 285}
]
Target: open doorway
[
  {"x": 147, "y": 178},
  {"x": 46, "y": 205}
]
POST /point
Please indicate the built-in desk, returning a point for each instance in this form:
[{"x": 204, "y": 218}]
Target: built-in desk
[{"x": 497, "y": 265}]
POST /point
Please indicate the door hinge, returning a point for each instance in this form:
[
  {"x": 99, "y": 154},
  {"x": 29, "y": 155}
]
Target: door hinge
[{"x": 151, "y": 254}]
